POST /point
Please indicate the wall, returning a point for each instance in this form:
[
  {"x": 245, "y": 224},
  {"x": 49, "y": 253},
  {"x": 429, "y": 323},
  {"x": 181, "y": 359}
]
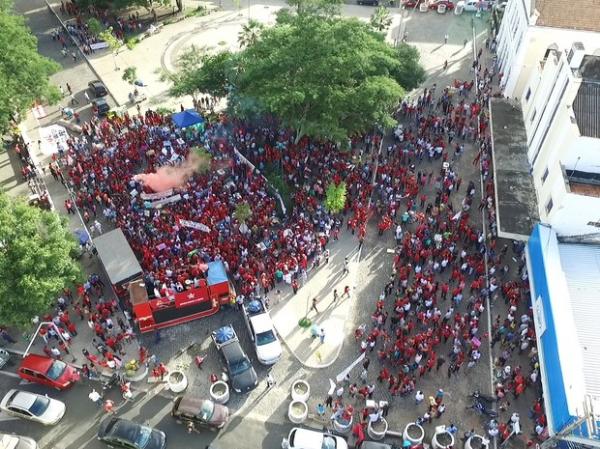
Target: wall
[
  {"x": 561, "y": 365},
  {"x": 525, "y": 60}
]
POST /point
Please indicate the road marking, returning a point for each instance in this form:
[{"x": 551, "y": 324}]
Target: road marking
[
  {"x": 6, "y": 417},
  {"x": 9, "y": 374}
]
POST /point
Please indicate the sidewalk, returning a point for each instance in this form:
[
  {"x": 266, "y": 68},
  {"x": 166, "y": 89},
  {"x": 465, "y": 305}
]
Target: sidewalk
[{"x": 332, "y": 315}]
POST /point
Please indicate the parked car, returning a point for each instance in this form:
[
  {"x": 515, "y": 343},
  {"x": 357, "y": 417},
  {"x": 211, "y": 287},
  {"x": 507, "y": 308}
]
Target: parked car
[
  {"x": 262, "y": 332},
  {"x": 241, "y": 373},
  {"x": 476, "y": 5},
  {"x": 309, "y": 439},
  {"x": 47, "y": 371},
  {"x": 4, "y": 358},
  {"x": 102, "y": 106},
  {"x": 368, "y": 2},
  {"x": 449, "y": 4},
  {"x": 32, "y": 406},
  {"x": 16, "y": 442},
  {"x": 131, "y": 435},
  {"x": 97, "y": 88},
  {"x": 411, "y": 3},
  {"x": 201, "y": 412}
]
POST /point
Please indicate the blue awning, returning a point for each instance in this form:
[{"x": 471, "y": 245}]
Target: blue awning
[{"x": 189, "y": 117}]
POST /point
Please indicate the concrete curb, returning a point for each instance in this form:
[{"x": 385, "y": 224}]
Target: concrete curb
[{"x": 338, "y": 350}]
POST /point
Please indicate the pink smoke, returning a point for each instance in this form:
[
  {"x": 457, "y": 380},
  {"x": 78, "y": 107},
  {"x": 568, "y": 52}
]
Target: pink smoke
[{"x": 169, "y": 177}]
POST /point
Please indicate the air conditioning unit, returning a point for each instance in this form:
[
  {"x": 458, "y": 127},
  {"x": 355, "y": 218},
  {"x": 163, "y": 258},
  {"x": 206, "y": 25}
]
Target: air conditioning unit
[{"x": 576, "y": 55}]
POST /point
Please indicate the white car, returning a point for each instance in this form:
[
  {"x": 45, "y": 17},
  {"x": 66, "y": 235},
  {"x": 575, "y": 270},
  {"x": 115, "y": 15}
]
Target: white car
[
  {"x": 262, "y": 332},
  {"x": 16, "y": 442},
  {"x": 309, "y": 439},
  {"x": 35, "y": 407}
]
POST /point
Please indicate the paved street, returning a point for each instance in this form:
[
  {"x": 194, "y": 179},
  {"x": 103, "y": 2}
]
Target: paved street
[{"x": 260, "y": 419}]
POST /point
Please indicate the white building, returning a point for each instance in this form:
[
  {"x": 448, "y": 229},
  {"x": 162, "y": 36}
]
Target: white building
[
  {"x": 561, "y": 114},
  {"x": 531, "y": 28}
]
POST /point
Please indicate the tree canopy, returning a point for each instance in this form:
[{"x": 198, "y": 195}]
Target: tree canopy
[
  {"x": 36, "y": 260},
  {"x": 24, "y": 73},
  {"x": 199, "y": 72},
  {"x": 324, "y": 76},
  {"x": 117, "y": 5}
]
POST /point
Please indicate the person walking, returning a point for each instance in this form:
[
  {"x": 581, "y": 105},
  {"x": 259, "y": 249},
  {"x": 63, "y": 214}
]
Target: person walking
[
  {"x": 346, "y": 269},
  {"x": 322, "y": 335},
  {"x": 446, "y": 38},
  {"x": 270, "y": 380},
  {"x": 314, "y": 305},
  {"x": 95, "y": 397}
]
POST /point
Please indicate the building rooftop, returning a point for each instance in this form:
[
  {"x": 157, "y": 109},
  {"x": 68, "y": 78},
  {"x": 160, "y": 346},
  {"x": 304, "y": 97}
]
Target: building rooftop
[
  {"x": 583, "y": 183},
  {"x": 516, "y": 202},
  {"x": 577, "y": 15},
  {"x": 586, "y": 108}
]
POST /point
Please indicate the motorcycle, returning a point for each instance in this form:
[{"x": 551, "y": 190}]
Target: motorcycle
[
  {"x": 477, "y": 395},
  {"x": 482, "y": 409},
  {"x": 114, "y": 380}
]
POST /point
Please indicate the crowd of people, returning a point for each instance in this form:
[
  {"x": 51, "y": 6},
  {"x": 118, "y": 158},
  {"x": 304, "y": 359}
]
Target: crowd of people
[{"x": 446, "y": 268}]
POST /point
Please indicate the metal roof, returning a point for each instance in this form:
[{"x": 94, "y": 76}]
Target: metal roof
[
  {"x": 579, "y": 15},
  {"x": 581, "y": 267},
  {"x": 586, "y": 108},
  {"x": 117, "y": 257}
]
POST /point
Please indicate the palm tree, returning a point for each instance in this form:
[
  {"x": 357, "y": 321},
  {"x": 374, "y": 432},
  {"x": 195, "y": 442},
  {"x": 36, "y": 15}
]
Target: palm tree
[
  {"x": 250, "y": 33},
  {"x": 381, "y": 19}
]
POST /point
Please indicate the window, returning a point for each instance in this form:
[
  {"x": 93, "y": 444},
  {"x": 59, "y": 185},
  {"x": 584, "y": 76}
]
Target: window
[
  {"x": 528, "y": 94},
  {"x": 549, "y": 205},
  {"x": 533, "y": 115},
  {"x": 545, "y": 175}
]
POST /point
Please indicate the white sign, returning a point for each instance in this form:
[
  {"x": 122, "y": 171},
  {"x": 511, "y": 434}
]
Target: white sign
[
  {"x": 53, "y": 137},
  {"x": 157, "y": 195},
  {"x": 99, "y": 45},
  {"x": 194, "y": 225},
  {"x": 540, "y": 318},
  {"x": 168, "y": 200}
]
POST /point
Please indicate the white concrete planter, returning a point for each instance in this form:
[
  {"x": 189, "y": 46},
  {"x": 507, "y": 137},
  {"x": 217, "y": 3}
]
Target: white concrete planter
[
  {"x": 441, "y": 9},
  {"x": 297, "y": 411},
  {"x": 177, "y": 381},
  {"x": 378, "y": 429},
  {"x": 343, "y": 427},
  {"x": 414, "y": 433},
  {"x": 219, "y": 392},
  {"x": 442, "y": 440},
  {"x": 424, "y": 7},
  {"x": 477, "y": 442},
  {"x": 300, "y": 390}
]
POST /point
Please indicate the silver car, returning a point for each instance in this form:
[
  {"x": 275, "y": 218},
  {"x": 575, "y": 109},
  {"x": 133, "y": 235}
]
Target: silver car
[
  {"x": 32, "y": 406},
  {"x": 4, "y": 358},
  {"x": 16, "y": 442}
]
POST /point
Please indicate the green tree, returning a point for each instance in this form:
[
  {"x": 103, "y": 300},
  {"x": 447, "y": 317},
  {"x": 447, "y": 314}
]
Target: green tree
[
  {"x": 130, "y": 74},
  {"x": 198, "y": 73},
  {"x": 323, "y": 77},
  {"x": 250, "y": 33},
  {"x": 242, "y": 212},
  {"x": 36, "y": 260},
  {"x": 95, "y": 27},
  {"x": 203, "y": 160},
  {"x": 335, "y": 197},
  {"x": 24, "y": 73},
  {"x": 113, "y": 43},
  {"x": 118, "y": 5},
  {"x": 409, "y": 72},
  {"x": 381, "y": 19}
]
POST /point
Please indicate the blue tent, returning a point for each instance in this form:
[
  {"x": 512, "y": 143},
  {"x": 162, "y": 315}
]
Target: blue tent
[
  {"x": 189, "y": 117},
  {"x": 82, "y": 236}
]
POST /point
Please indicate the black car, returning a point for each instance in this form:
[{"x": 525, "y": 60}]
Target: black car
[
  {"x": 241, "y": 373},
  {"x": 131, "y": 435},
  {"x": 102, "y": 106},
  {"x": 97, "y": 88}
]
